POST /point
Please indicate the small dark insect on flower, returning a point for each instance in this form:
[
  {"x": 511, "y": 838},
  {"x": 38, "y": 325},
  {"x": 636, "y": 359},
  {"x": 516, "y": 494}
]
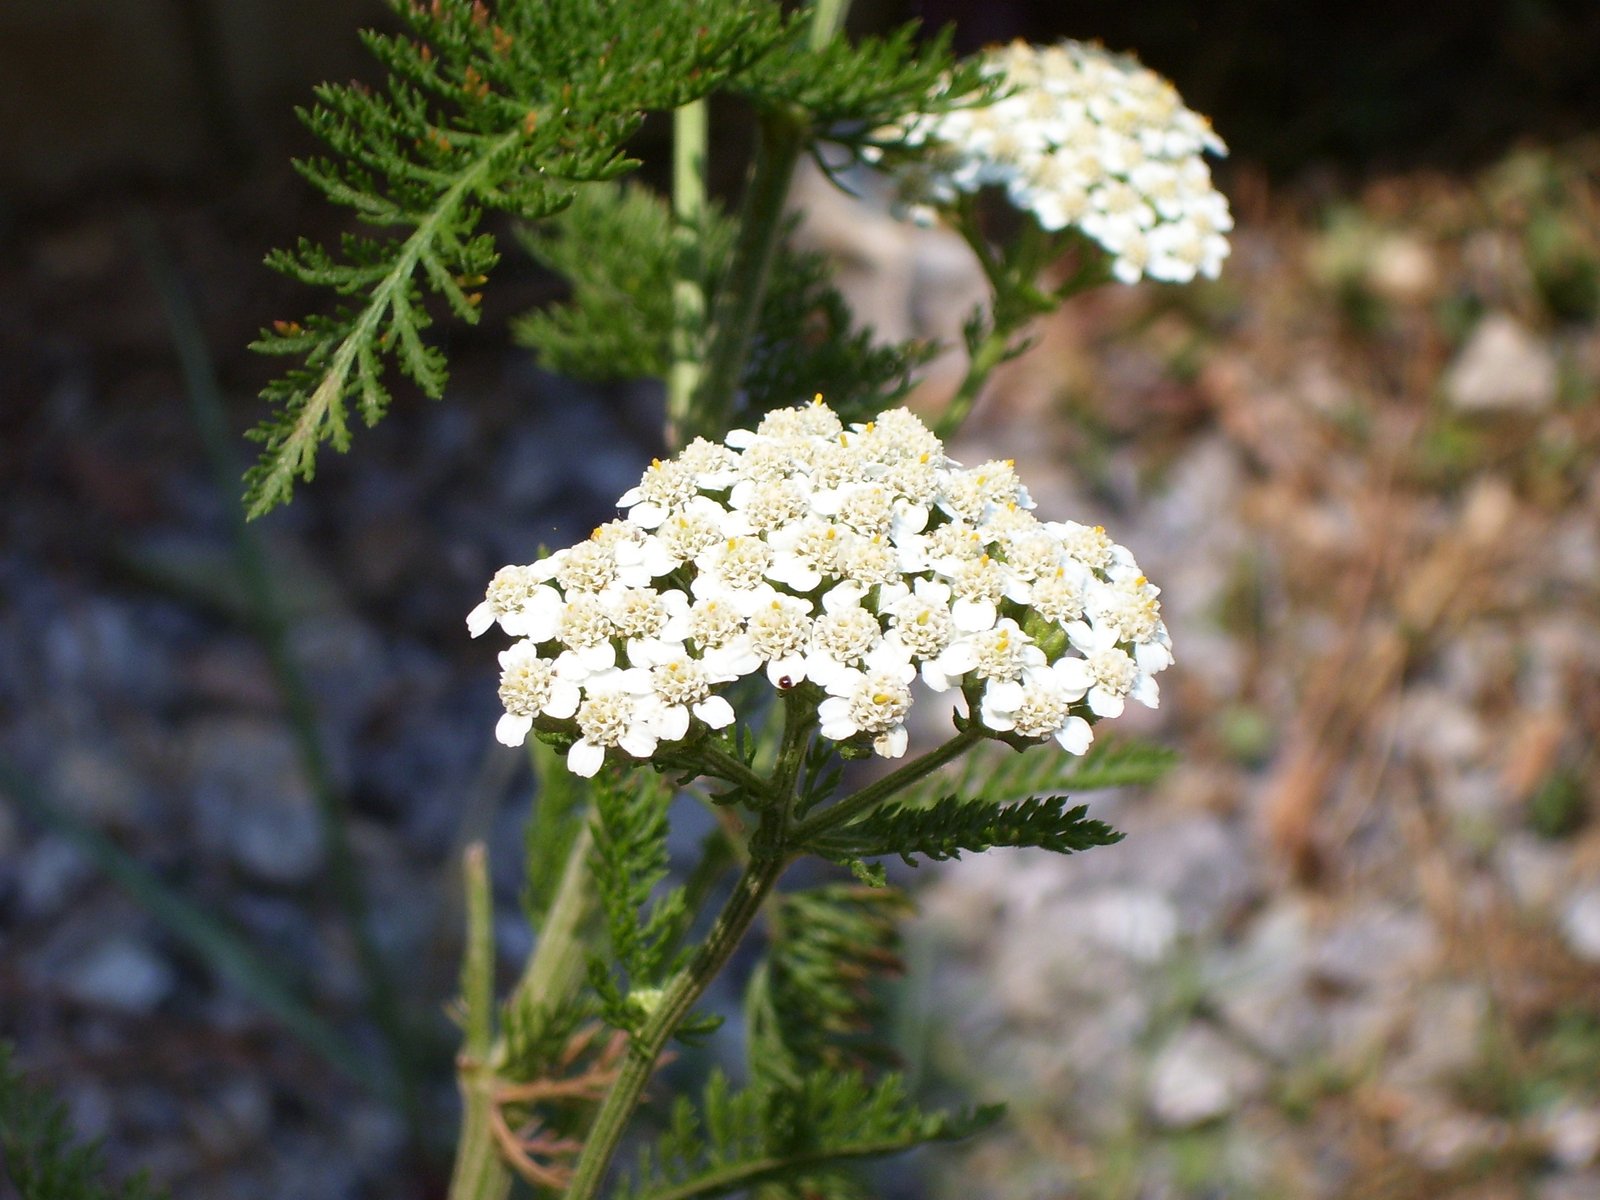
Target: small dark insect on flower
[{"x": 785, "y": 682}]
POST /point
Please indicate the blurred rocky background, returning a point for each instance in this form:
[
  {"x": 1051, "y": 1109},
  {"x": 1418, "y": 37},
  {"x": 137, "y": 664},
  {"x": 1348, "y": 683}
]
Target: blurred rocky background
[{"x": 1350, "y": 949}]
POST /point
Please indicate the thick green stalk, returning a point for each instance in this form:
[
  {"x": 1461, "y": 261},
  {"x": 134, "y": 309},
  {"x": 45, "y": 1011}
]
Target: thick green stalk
[
  {"x": 558, "y": 963},
  {"x": 676, "y": 1000},
  {"x": 479, "y": 1171},
  {"x": 737, "y": 310},
  {"x": 827, "y": 18},
  {"x": 553, "y": 973},
  {"x": 688, "y": 290},
  {"x": 780, "y": 140}
]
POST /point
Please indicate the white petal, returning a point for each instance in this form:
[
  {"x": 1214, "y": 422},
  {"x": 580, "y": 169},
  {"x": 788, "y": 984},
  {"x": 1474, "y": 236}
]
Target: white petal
[
  {"x": 791, "y": 572},
  {"x": 638, "y": 741},
  {"x": 647, "y": 515},
  {"x": 1003, "y": 694},
  {"x": 842, "y": 596},
  {"x": 480, "y": 618},
  {"x": 657, "y": 559},
  {"x": 1072, "y": 676},
  {"x": 672, "y": 723},
  {"x": 791, "y": 667},
  {"x": 512, "y": 731},
  {"x": 1075, "y": 735},
  {"x": 909, "y": 518},
  {"x": 1152, "y": 657},
  {"x": 600, "y": 657},
  {"x": 715, "y": 712},
  {"x": 996, "y": 718},
  {"x": 972, "y": 616},
  {"x": 564, "y": 698},
  {"x": 891, "y": 657},
  {"x": 733, "y": 660},
  {"x": 1105, "y": 704},
  {"x": 584, "y": 759},
  {"x": 820, "y": 668},
  {"x": 892, "y": 744}
]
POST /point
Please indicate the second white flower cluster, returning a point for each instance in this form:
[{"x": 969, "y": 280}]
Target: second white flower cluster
[
  {"x": 852, "y": 560},
  {"x": 1084, "y": 138}
]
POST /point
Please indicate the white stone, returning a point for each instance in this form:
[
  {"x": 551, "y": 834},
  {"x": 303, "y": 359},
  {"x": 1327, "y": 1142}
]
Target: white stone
[
  {"x": 1502, "y": 368},
  {"x": 1376, "y": 944},
  {"x": 1571, "y": 1134},
  {"x": 1199, "y": 1076},
  {"x": 1403, "y": 269},
  {"x": 1534, "y": 869},
  {"x": 122, "y": 974},
  {"x": 1136, "y": 923},
  {"x": 1580, "y": 924},
  {"x": 1442, "y": 1138}
]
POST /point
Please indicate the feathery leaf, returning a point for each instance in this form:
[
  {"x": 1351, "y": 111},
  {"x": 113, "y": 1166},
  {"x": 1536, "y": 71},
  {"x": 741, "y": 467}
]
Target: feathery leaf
[{"x": 768, "y": 1133}]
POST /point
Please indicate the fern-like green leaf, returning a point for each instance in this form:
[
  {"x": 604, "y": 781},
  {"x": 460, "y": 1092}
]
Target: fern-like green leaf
[
  {"x": 629, "y": 861},
  {"x": 849, "y": 89},
  {"x": 806, "y": 344},
  {"x": 736, "y": 1140},
  {"x": 617, "y": 248},
  {"x": 952, "y": 826},
  {"x": 37, "y": 1152},
  {"x": 1000, "y": 774},
  {"x": 502, "y": 107},
  {"x": 813, "y": 1003}
]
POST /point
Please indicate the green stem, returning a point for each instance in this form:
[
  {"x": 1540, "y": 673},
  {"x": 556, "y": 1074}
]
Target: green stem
[
  {"x": 993, "y": 350},
  {"x": 271, "y": 985},
  {"x": 679, "y": 997},
  {"x": 553, "y": 973},
  {"x": 736, "y": 313},
  {"x": 557, "y": 966},
  {"x": 1004, "y": 318},
  {"x": 479, "y": 1171},
  {"x": 827, "y": 18},
  {"x": 725, "y": 766},
  {"x": 780, "y": 139},
  {"x": 880, "y": 790},
  {"x": 688, "y": 290},
  {"x": 271, "y": 627}
]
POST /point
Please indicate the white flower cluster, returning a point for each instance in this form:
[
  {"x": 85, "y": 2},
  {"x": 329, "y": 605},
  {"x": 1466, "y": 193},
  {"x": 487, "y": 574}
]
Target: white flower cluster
[
  {"x": 851, "y": 561},
  {"x": 1082, "y": 137}
]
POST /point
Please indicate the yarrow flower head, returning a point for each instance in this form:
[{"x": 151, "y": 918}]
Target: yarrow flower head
[
  {"x": 851, "y": 569},
  {"x": 1080, "y": 138}
]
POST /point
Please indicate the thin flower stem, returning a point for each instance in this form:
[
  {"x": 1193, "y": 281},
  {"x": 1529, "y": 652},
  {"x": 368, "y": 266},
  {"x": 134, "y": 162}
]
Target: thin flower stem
[
  {"x": 266, "y": 613},
  {"x": 688, "y": 290},
  {"x": 993, "y": 350},
  {"x": 880, "y": 790},
  {"x": 676, "y": 1001},
  {"x": 717, "y": 762}
]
